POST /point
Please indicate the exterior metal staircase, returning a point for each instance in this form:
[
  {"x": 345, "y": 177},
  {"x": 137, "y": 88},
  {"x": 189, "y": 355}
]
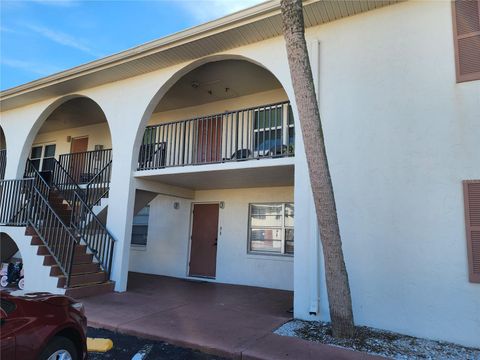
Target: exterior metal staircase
[{"x": 57, "y": 214}]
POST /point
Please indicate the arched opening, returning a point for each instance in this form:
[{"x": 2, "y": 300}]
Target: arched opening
[
  {"x": 60, "y": 200},
  {"x": 78, "y": 126},
  {"x": 11, "y": 271},
  {"x": 221, "y": 111},
  {"x": 223, "y": 135},
  {"x": 73, "y": 145},
  {"x": 3, "y": 154}
]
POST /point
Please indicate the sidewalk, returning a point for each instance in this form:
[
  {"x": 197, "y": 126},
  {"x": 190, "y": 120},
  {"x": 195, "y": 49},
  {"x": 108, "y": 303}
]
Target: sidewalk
[{"x": 225, "y": 320}]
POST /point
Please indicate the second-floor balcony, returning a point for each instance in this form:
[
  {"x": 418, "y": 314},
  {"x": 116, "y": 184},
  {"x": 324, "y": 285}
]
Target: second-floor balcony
[{"x": 255, "y": 133}]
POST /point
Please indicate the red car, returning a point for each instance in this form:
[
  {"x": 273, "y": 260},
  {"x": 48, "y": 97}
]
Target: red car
[{"x": 42, "y": 326}]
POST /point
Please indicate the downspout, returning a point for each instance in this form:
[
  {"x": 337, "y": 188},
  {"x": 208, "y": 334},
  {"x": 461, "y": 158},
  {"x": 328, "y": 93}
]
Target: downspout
[{"x": 315, "y": 261}]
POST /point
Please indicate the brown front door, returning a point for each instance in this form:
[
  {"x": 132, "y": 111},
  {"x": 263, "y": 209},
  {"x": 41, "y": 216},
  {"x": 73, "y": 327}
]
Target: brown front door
[
  {"x": 77, "y": 162},
  {"x": 209, "y": 140},
  {"x": 203, "y": 254}
]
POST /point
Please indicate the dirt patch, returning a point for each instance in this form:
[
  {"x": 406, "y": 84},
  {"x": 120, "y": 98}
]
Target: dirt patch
[{"x": 380, "y": 342}]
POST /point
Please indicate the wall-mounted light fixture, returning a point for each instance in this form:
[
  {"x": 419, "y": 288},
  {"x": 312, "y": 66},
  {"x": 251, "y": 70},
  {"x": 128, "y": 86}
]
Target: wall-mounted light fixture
[
  {"x": 69, "y": 139},
  {"x": 222, "y": 205},
  {"x": 176, "y": 205}
]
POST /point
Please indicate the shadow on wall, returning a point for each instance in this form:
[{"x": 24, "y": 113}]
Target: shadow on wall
[
  {"x": 11, "y": 271},
  {"x": 8, "y": 248}
]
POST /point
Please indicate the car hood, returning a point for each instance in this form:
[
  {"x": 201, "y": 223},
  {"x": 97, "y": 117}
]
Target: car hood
[{"x": 54, "y": 299}]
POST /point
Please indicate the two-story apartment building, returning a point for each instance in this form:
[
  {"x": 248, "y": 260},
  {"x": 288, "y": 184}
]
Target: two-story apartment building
[{"x": 184, "y": 157}]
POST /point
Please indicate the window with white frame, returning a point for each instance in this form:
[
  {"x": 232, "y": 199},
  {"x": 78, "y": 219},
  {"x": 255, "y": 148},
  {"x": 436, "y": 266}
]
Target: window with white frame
[
  {"x": 271, "y": 228},
  {"x": 140, "y": 227},
  {"x": 42, "y": 157},
  {"x": 273, "y": 130}
]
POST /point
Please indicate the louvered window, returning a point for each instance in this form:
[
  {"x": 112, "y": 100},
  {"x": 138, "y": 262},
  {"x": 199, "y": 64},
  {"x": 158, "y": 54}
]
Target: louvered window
[
  {"x": 471, "y": 191},
  {"x": 466, "y": 29}
]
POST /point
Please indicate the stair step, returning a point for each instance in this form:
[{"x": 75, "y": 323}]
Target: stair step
[
  {"x": 90, "y": 290},
  {"x": 56, "y": 271},
  {"x": 85, "y": 268},
  {"x": 60, "y": 207},
  {"x": 82, "y": 259},
  {"x": 36, "y": 240},
  {"x": 79, "y": 269},
  {"x": 30, "y": 231},
  {"x": 55, "y": 200},
  {"x": 82, "y": 279},
  {"x": 49, "y": 260},
  {"x": 63, "y": 213},
  {"x": 79, "y": 249}
]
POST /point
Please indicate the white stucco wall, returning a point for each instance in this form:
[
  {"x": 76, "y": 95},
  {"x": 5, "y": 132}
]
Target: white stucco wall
[
  {"x": 217, "y": 107},
  {"x": 98, "y": 134},
  {"x": 401, "y": 135},
  {"x": 168, "y": 245},
  {"x": 37, "y": 276}
]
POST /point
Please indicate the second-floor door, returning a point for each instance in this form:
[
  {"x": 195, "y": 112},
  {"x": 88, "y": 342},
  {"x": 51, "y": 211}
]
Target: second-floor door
[
  {"x": 77, "y": 163},
  {"x": 209, "y": 140}
]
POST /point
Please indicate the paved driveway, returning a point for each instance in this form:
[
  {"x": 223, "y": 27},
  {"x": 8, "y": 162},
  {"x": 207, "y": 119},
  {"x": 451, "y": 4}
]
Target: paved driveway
[
  {"x": 225, "y": 320},
  {"x": 218, "y": 318}
]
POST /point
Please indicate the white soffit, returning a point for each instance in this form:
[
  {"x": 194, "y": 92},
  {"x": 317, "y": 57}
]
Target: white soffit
[
  {"x": 226, "y": 177},
  {"x": 248, "y": 26}
]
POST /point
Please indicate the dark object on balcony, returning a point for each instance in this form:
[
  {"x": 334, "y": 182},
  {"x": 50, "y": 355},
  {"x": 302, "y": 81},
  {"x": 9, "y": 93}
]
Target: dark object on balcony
[
  {"x": 85, "y": 178},
  {"x": 152, "y": 155},
  {"x": 242, "y": 154},
  {"x": 277, "y": 151},
  {"x": 246, "y": 134},
  {"x": 47, "y": 176}
]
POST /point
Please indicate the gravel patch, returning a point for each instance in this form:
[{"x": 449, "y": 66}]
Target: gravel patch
[{"x": 380, "y": 342}]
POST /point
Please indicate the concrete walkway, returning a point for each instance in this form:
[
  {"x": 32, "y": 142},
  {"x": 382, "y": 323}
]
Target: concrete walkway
[{"x": 226, "y": 320}]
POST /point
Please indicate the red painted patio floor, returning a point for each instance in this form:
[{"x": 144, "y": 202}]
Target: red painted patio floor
[{"x": 227, "y": 320}]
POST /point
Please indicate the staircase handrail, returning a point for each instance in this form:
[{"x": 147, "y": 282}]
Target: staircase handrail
[
  {"x": 104, "y": 252},
  {"x": 72, "y": 182},
  {"x": 81, "y": 211},
  {"x": 10, "y": 194},
  {"x": 32, "y": 172},
  {"x": 41, "y": 217},
  {"x": 93, "y": 181}
]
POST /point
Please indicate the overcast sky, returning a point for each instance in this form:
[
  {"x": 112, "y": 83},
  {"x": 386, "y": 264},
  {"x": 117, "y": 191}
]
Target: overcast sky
[{"x": 41, "y": 37}]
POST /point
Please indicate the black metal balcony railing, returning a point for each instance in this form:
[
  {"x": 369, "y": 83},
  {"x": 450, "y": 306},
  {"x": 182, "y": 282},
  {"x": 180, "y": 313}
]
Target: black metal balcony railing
[
  {"x": 99, "y": 186},
  {"x": 55, "y": 234},
  {"x": 83, "y": 166},
  {"x": 15, "y": 196},
  {"x": 24, "y": 203},
  {"x": 265, "y": 131},
  {"x": 83, "y": 223},
  {"x": 3, "y": 163},
  {"x": 93, "y": 233}
]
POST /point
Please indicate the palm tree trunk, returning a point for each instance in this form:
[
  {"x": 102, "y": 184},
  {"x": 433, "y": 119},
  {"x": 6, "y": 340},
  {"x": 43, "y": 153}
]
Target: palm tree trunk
[{"x": 338, "y": 289}]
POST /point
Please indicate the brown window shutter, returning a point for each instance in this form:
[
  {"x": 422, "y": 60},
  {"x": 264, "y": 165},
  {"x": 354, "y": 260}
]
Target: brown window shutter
[
  {"x": 471, "y": 193},
  {"x": 466, "y": 30}
]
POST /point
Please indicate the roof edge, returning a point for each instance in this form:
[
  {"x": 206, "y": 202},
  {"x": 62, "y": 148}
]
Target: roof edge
[{"x": 251, "y": 14}]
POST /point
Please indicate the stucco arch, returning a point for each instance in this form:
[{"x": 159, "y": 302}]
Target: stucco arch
[
  {"x": 44, "y": 115},
  {"x": 166, "y": 86},
  {"x": 37, "y": 276}
]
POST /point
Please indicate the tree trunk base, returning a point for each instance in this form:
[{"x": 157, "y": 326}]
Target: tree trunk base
[{"x": 342, "y": 327}]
